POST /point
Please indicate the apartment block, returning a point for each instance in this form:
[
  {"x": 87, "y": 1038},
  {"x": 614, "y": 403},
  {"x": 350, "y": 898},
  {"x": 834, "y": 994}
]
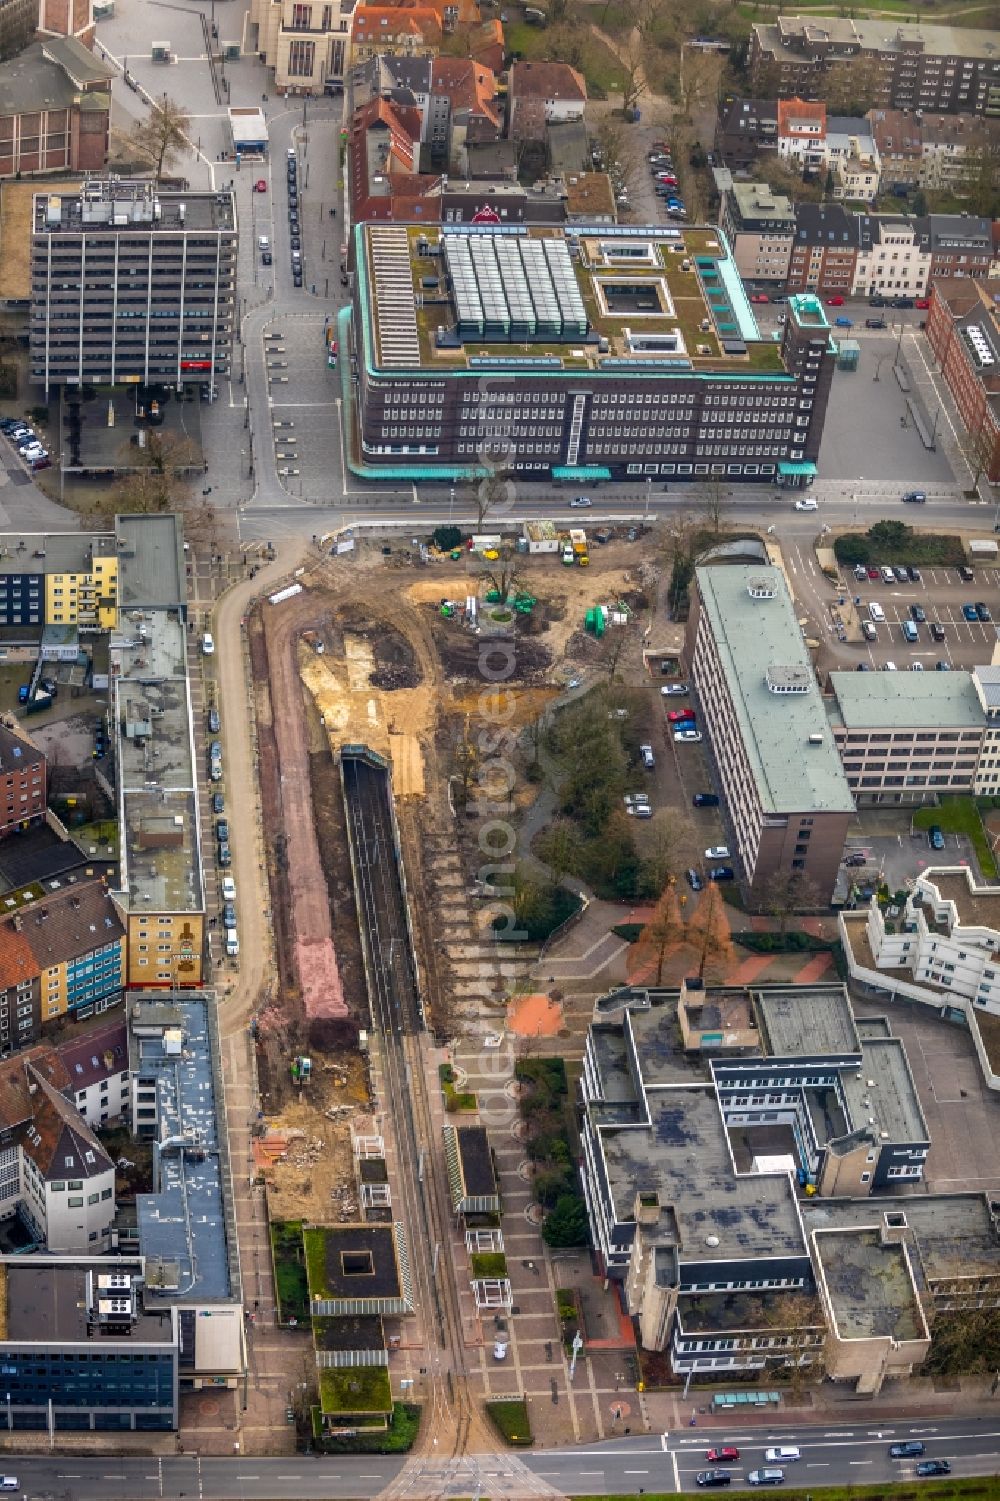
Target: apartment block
[
  {"x": 745, "y": 130},
  {"x": 963, "y": 328},
  {"x": 726, "y": 1135},
  {"x": 65, "y": 952},
  {"x": 131, "y": 284},
  {"x": 59, "y": 578},
  {"x": 949, "y": 69},
  {"x": 787, "y": 801},
  {"x": 23, "y": 782},
  {"x": 760, "y": 228},
  {"x": 907, "y": 737},
  {"x": 160, "y": 894},
  {"x": 952, "y": 148},
  {"x": 824, "y": 251},
  {"x": 894, "y": 256},
  {"x": 562, "y": 353}
]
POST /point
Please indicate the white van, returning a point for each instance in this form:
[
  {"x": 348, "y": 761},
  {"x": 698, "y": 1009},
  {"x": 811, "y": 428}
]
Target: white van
[
  {"x": 807, "y": 504},
  {"x": 876, "y": 612},
  {"x": 232, "y": 944}
]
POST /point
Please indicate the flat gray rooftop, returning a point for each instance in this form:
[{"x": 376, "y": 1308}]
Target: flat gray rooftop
[
  {"x": 161, "y": 861},
  {"x": 683, "y": 1155},
  {"x": 870, "y": 1286},
  {"x": 186, "y": 1227},
  {"x": 734, "y": 1310},
  {"x": 955, "y": 1234},
  {"x": 905, "y": 701},
  {"x": 807, "y": 1022},
  {"x": 131, "y": 204},
  {"x": 48, "y": 1301},
  {"x": 658, "y": 1045},
  {"x": 152, "y": 553},
  {"x": 753, "y": 634},
  {"x": 53, "y": 552},
  {"x": 885, "y": 1092}
]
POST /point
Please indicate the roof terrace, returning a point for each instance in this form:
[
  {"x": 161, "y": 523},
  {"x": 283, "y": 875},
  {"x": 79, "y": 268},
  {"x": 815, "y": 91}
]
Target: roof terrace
[{"x": 661, "y": 299}]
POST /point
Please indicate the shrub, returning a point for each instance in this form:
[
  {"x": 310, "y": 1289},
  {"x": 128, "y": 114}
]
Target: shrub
[
  {"x": 488, "y": 1264},
  {"x": 446, "y": 538},
  {"x": 566, "y": 1225},
  {"x": 400, "y": 1435}
]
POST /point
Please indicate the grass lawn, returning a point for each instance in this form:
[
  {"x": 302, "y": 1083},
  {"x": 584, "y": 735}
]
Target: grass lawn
[
  {"x": 289, "y": 1270},
  {"x": 314, "y": 1245},
  {"x": 597, "y": 63},
  {"x": 355, "y": 1389},
  {"x": 920, "y": 548},
  {"x": 510, "y": 1418},
  {"x": 396, "y": 1439},
  {"x": 454, "y": 1099},
  {"x": 488, "y": 1264},
  {"x": 959, "y": 815}
]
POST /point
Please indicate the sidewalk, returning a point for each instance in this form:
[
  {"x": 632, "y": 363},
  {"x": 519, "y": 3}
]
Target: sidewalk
[{"x": 899, "y": 1401}]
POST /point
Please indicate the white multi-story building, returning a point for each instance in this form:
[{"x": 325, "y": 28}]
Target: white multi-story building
[
  {"x": 306, "y": 44},
  {"x": 894, "y": 257},
  {"x": 942, "y": 948}
]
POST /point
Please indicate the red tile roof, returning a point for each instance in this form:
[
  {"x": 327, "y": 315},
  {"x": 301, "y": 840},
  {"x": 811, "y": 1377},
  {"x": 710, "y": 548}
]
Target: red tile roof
[
  {"x": 546, "y": 80},
  {"x": 799, "y": 110},
  {"x": 468, "y": 84},
  {"x": 384, "y": 23}
]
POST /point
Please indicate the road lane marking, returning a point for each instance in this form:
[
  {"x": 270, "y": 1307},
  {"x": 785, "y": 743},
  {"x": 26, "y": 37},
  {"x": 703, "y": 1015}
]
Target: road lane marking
[
  {"x": 635, "y": 1472},
  {"x": 861, "y": 1461}
]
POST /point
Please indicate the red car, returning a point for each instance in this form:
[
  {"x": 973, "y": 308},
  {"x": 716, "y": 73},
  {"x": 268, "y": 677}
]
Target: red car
[
  {"x": 835, "y": 302},
  {"x": 760, "y": 297},
  {"x": 923, "y": 302},
  {"x": 679, "y": 716},
  {"x": 728, "y": 1455},
  {"x": 874, "y": 575}
]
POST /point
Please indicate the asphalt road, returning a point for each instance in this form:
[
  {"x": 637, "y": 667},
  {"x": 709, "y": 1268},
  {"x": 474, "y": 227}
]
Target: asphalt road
[{"x": 857, "y": 1454}]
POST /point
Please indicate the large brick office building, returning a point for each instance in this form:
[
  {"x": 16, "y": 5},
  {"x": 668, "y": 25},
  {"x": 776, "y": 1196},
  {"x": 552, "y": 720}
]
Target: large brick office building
[{"x": 589, "y": 353}]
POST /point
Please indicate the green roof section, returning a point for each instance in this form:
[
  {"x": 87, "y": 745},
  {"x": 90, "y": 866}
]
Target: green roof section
[
  {"x": 905, "y": 701},
  {"x": 580, "y": 471},
  {"x": 773, "y": 689},
  {"x": 799, "y": 468}
]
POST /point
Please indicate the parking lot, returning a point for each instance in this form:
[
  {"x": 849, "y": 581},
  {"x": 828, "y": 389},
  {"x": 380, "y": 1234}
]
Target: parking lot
[{"x": 943, "y": 597}]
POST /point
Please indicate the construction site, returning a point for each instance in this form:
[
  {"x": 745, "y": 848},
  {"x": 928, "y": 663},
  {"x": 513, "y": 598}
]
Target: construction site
[{"x": 385, "y": 650}]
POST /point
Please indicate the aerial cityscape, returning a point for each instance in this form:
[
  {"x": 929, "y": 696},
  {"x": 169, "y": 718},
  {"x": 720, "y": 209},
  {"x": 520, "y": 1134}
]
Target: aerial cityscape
[{"x": 499, "y": 749}]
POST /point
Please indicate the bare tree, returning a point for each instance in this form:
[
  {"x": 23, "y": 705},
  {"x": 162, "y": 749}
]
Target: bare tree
[
  {"x": 716, "y": 502},
  {"x": 502, "y": 573},
  {"x": 159, "y": 477},
  {"x": 799, "y": 1327},
  {"x": 560, "y": 847},
  {"x": 786, "y": 892},
  {"x": 162, "y": 136},
  {"x": 465, "y": 759}
]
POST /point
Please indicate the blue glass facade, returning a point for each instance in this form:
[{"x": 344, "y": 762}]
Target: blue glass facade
[
  {"x": 93, "y": 976},
  {"x": 109, "y": 1388}
]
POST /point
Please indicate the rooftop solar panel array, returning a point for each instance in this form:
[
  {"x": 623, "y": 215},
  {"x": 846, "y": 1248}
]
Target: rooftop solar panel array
[
  {"x": 398, "y": 343},
  {"x": 514, "y": 289}
]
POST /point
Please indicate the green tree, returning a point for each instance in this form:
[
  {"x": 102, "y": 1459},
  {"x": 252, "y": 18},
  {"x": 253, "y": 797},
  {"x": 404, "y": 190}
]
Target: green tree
[
  {"x": 446, "y": 538},
  {"x": 559, "y": 845},
  {"x": 162, "y": 136},
  {"x": 890, "y": 534},
  {"x": 566, "y": 1225}
]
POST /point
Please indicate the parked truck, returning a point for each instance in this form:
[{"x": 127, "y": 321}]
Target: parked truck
[{"x": 578, "y": 541}]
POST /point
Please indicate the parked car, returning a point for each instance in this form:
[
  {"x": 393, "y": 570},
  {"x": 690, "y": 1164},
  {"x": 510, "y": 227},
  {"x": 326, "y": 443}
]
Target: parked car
[
  {"x": 717, "y": 852},
  {"x": 876, "y": 323},
  {"x": 228, "y": 888},
  {"x": 835, "y": 302},
  {"x": 224, "y": 855},
  {"x": 902, "y": 302},
  {"x": 923, "y": 303},
  {"x": 296, "y": 278},
  {"x": 915, "y": 497},
  {"x": 674, "y": 690},
  {"x": 705, "y": 800},
  {"x": 214, "y": 722},
  {"x": 722, "y": 873},
  {"x": 911, "y": 1449},
  {"x": 874, "y": 574},
  {"x": 935, "y": 839},
  {"x": 648, "y": 759},
  {"x": 687, "y": 737},
  {"x": 218, "y": 803},
  {"x": 983, "y": 611},
  {"x": 919, "y": 614},
  {"x": 266, "y": 258},
  {"x": 914, "y": 573},
  {"x": 207, "y": 644},
  {"x": 694, "y": 879},
  {"x": 760, "y": 297},
  {"x": 876, "y": 302},
  {"x": 228, "y": 915},
  {"x": 844, "y": 323},
  {"x": 677, "y": 716},
  {"x": 970, "y": 612}
]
